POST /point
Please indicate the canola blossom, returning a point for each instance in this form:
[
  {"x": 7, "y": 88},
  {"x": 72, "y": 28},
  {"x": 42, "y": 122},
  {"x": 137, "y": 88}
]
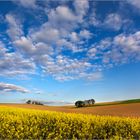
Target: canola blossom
[{"x": 20, "y": 124}]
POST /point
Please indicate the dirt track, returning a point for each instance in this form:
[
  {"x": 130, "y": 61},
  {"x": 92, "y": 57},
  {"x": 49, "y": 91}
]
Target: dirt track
[{"x": 128, "y": 110}]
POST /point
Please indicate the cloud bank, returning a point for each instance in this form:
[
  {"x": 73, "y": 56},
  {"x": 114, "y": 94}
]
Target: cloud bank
[{"x": 6, "y": 87}]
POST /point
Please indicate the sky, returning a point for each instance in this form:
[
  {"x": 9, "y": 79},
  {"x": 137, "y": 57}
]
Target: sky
[{"x": 62, "y": 51}]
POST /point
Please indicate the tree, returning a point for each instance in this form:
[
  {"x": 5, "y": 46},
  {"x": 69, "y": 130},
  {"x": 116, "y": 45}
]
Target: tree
[
  {"x": 34, "y": 102},
  {"x": 85, "y": 103},
  {"x": 79, "y": 104},
  {"x": 28, "y": 102},
  {"x": 93, "y": 101}
]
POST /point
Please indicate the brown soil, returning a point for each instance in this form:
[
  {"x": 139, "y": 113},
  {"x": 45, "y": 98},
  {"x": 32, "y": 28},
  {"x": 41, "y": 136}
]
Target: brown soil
[{"x": 126, "y": 110}]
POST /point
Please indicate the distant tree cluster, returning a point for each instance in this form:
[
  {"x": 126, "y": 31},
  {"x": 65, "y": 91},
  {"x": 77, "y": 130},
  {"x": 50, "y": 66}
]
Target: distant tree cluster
[
  {"x": 34, "y": 102},
  {"x": 85, "y": 103}
]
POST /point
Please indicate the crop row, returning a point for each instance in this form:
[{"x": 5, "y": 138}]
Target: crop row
[{"x": 36, "y": 124}]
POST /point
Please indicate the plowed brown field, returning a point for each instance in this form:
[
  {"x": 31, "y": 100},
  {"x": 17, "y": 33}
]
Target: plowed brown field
[{"x": 126, "y": 110}]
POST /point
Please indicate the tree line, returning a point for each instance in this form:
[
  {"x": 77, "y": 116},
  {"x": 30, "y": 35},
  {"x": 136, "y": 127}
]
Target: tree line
[
  {"x": 34, "y": 102},
  {"x": 85, "y": 103}
]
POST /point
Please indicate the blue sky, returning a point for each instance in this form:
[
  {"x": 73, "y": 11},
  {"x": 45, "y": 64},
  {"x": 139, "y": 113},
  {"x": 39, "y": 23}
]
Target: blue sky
[{"x": 62, "y": 51}]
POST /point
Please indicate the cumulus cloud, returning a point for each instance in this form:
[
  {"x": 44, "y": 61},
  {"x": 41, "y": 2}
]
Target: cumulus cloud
[
  {"x": 62, "y": 18},
  {"x": 61, "y": 45},
  {"x": 113, "y": 21},
  {"x": 74, "y": 37},
  {"x": 121, "y": 49},
  {"x": 13, "y": 63},
  {"x": 15, "y": 28},
  {"x": 92, "y": 76},
  {"x": 26, "y": 3},
  {"x": 63, "y": 13},
  {"x": 135, "y": 3},
  {"x": 24, "y": 45},
  {"x": 60, "y": 67},
  {"x": 6, "y": 87},
  {"x": 9, "y": 66},
  {"x": 46, "y": 34},
  {"x": 129, "y": 44},
  {"x": 61, "y": 22},
  {"x": 81, "y": 8},
  {"x": 57, "y": 35},
  {"x": 63, "y": 68},
  {"x": 85, "y": 34}
]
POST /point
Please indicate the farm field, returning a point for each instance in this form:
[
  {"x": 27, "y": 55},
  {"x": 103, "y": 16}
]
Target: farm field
[
  {"x": 17, "y": 123},
  {"x": 126, "y": 110}
]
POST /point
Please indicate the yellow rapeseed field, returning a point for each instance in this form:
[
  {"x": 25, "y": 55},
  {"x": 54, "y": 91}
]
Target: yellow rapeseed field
[{"x": 35, "y": 124}]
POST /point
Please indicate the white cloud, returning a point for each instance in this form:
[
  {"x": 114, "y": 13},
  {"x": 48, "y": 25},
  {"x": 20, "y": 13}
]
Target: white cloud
[
  {"x": 113, "y": 21},
  {"x": 85, "y": 34},
  {"x": 24, "y": 45},
  {"x": 54, "y": 36},
  {"x": 2, "y": 49},
  {"x": 135, "y": 3},
  {"x": 46, "y": 34},
  {"x": 81, "y": 7},
  {"x": 74, "y": 37},
  {"x": 14, "y": 64},
  {"x": 63, "y": 68},
  {"x": 9, "y": 66},
  {"x": 62, "y": 18},
  {"x": 64, "y": 44},
  {"x": 121, "y": 49},
  {"x": 129, "y": 44},
  {"x": 60, "y": 67},
  {"x": 14, "y": 31},
  {"x": 58, "y": 47},
  {"x": 93, "y": 20},
  {"x": 92, "y": 76},
  {"x": 92, "y": 52},
  {"x": 43, "y": 49},
  {"x": 26, "y": 3},
  {"x": 58, "y": 31},
  {"x": 63, "y": 13},
  {"x": 60, "y": 25},
  {"x": 6, "y": 87}
]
